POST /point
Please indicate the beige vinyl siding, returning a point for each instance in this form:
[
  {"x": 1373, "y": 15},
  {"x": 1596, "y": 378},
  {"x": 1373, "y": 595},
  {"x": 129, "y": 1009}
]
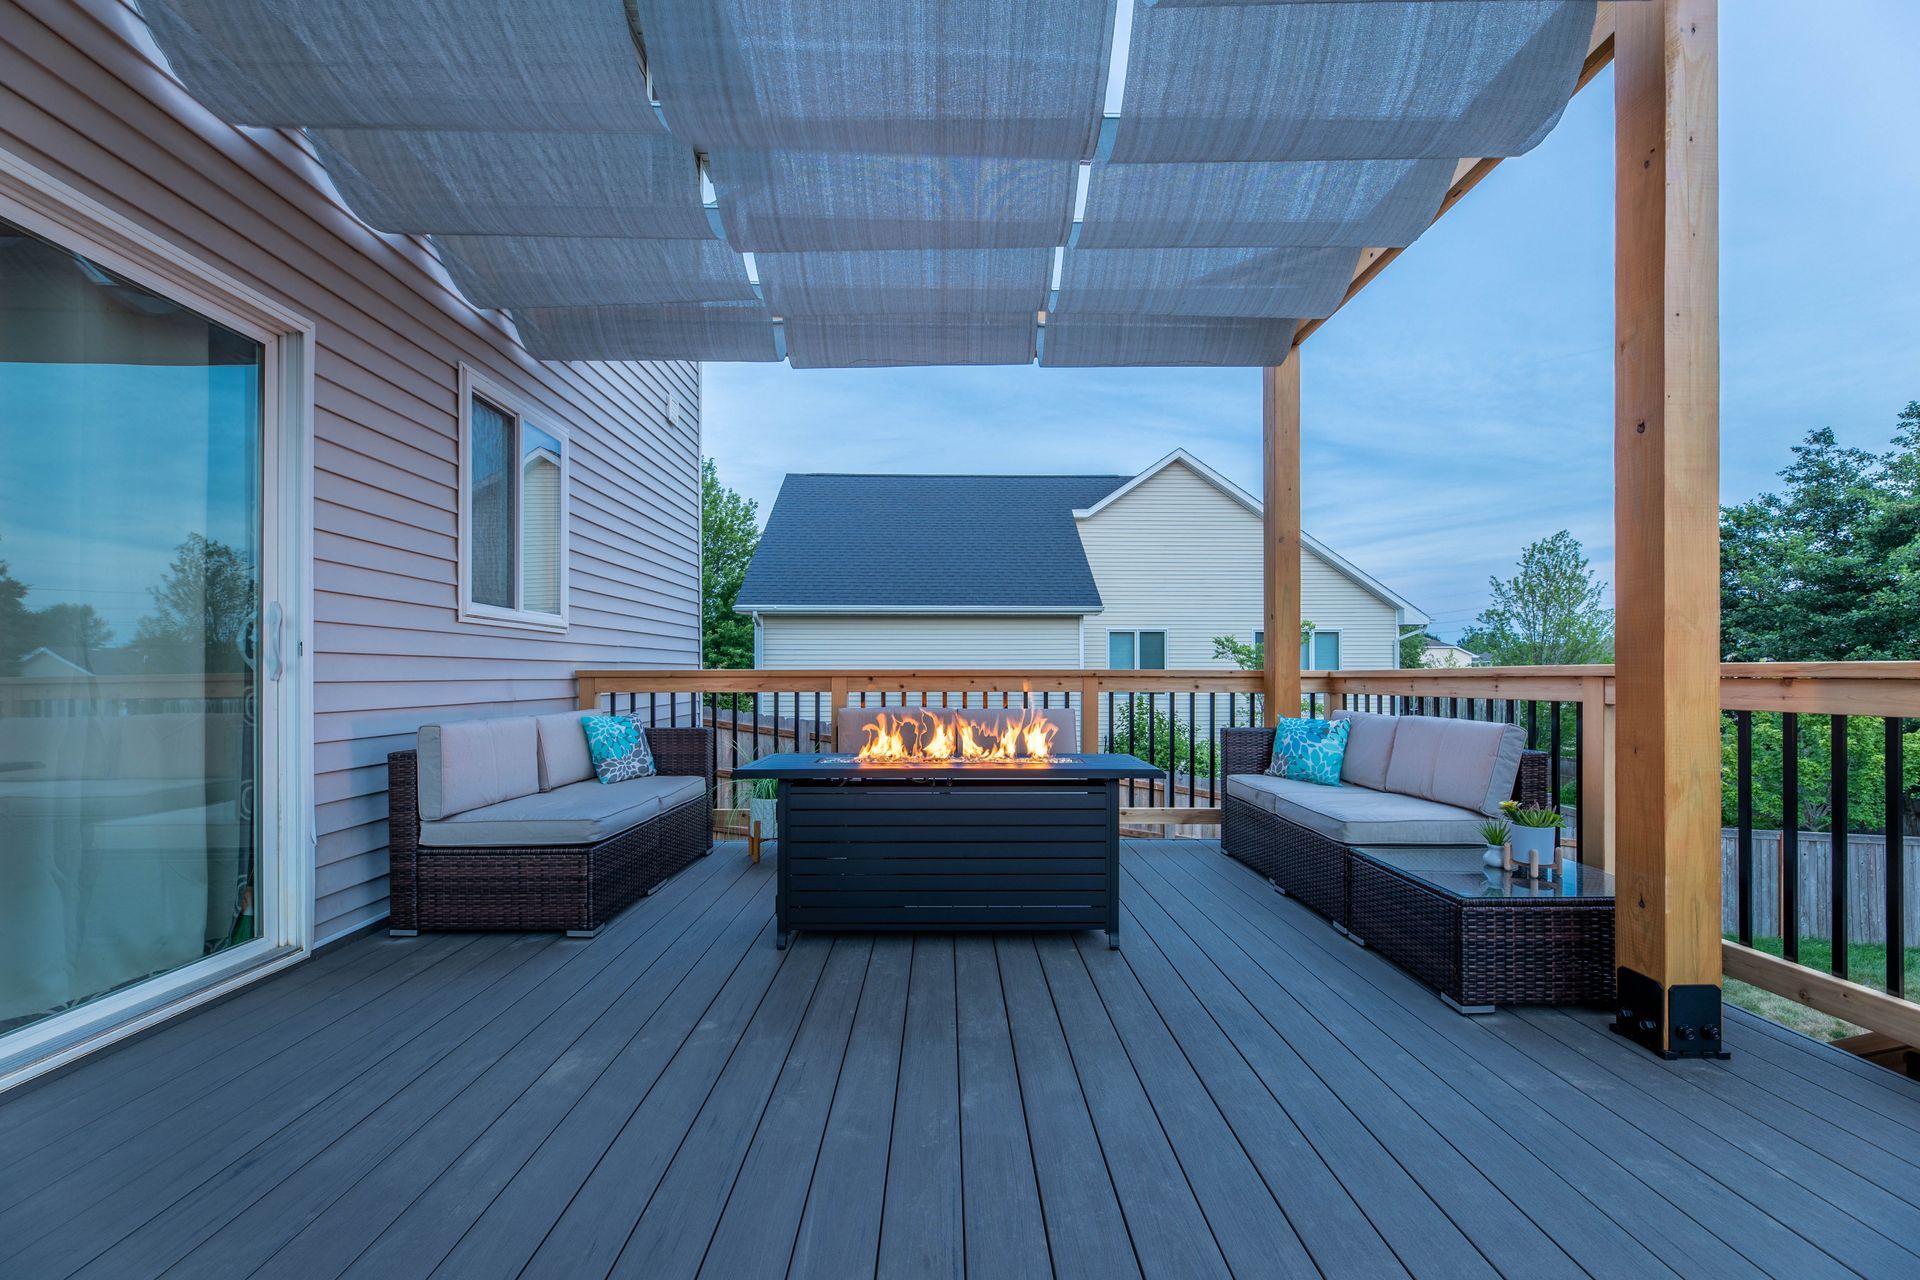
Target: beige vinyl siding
[
  {"x": 81, "y": 99},
  {"x": 793, "y": 641},
  {"x": 1178, "y": 555}
]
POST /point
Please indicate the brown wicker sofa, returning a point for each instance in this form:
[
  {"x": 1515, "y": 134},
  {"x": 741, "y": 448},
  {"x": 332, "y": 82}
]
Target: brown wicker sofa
[
  {"x": 501, "y": 825},
  {"x": 1297, "y": 834}
]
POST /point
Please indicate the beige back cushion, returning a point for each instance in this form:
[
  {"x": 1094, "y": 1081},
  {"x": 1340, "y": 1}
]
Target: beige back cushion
[
  {"x": 1469, "y": 763},
  {"x": 476, "y": 762},
  {"x": 564, "y": 755},
  {"x": 1369, "y": 747},
  {"x": 852, "y": 722}
]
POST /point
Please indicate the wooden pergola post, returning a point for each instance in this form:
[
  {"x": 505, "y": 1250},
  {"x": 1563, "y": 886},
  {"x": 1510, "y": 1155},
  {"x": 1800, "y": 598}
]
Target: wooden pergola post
[
  {"x": 1666, "y": 518},
  {"x": 1280, "y": 503}
]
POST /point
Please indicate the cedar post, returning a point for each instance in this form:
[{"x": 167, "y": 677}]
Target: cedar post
[
  {"x": 1666, "y": 514},
  {"x": 1280, "y": 503}
]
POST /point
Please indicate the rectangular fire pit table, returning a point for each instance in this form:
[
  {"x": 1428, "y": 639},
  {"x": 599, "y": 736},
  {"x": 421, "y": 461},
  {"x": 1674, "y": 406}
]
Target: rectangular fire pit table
[
  {"x": 948, "y": 847},
  {"x": 1484, "y": 938}
]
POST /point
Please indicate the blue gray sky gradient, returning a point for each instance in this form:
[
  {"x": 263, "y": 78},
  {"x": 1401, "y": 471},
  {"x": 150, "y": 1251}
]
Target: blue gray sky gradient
[{"x": 1462, "y": 405}]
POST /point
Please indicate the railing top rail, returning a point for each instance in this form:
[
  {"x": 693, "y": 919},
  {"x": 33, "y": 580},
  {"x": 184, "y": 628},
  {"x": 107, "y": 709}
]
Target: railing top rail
[{"x": 1036, "y": 680}]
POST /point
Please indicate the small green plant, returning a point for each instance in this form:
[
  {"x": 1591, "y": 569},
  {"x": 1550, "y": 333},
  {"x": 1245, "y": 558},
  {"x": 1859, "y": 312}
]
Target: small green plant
[
  {"x": 1524, "y": 817},
  {"x": 1494, "y": 831},
  {"x": 766, "y": 789}
]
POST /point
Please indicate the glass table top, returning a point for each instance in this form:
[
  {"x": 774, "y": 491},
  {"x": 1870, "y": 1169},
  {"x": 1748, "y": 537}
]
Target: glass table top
[{"x": 1457, "y": 870}]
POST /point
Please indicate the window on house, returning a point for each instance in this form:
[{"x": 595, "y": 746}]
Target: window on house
[
  {"x": 1137, "y": 650},
  {"x": 1321, "y": 651},
  {"x": 513, "y": 526}
]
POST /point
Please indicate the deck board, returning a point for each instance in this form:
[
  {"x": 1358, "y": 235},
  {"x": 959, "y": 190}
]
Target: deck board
[{"x": 1237, "y": 1091}]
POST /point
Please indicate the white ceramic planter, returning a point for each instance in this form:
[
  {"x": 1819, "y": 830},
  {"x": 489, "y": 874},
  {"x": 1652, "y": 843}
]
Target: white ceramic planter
[
  {"x": 1527, "y": 840},
  {"x": 763, "y": 812}
]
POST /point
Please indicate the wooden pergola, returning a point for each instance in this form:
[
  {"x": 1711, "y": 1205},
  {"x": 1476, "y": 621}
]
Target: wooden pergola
[{"x": 1665, "y": 746}]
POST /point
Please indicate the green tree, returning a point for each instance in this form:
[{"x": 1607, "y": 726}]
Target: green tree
[
  {"x": 1249, "y": 657},
  {"x": 1548, "y": 614},
  {"x": 201, "y": 609},
  {"x": 1413, "y": 648},
  {"x": 729, "y": 533},
  {"x": 15, "y": 622},
  {"x": 1827, "y": 569}
]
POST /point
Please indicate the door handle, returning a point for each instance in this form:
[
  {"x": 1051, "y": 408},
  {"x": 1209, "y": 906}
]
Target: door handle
[{"x": 276, "y": 618}]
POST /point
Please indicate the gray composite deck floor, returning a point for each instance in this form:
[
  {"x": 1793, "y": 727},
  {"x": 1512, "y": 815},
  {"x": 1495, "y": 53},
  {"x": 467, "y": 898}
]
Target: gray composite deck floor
[{"x": 1237, "y": 1091}]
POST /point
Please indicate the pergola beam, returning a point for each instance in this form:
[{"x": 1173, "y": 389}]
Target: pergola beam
[
  {"x": 1469, "y": 174},
  {"x": 1667, "y": 525},
  {"x": 1280, "y": 508}
]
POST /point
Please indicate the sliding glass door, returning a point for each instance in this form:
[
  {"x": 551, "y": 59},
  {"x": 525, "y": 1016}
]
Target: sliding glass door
[{"x": 131, "y": 531}]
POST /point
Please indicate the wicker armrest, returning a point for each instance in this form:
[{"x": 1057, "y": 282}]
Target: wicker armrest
[
  {"x": 1531, "y": 785},
  {"x": 682, "y": 752},
  {"x": 403, "y": 836},
  {"x": 1244, "y": 750}
]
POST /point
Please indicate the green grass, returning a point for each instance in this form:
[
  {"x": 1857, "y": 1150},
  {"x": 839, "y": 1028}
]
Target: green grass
[{"x": 1866, "y": 964}]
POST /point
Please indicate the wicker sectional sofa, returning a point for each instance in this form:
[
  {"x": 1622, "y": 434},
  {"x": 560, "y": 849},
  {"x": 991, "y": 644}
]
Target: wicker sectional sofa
[
  {"x": 502, "y": 825},
  {"x": 1408, "y": 780}
]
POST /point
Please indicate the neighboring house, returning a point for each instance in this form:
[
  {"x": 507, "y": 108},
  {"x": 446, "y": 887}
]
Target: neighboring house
[
  {"x": 1140, "y": 571},
  {"x": 1438, "y": 653},
  {"x": 433, "y": 525}
]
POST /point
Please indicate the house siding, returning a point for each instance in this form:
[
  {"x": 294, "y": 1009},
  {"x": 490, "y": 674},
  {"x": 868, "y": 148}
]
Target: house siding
[
  {"x": 84, "y": 98},
  {"x": 1175, "y": 554},
  {"x": 883, "y": 641}
]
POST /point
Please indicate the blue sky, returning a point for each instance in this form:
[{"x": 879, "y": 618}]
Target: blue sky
[{"x": 1462, "y": 405}]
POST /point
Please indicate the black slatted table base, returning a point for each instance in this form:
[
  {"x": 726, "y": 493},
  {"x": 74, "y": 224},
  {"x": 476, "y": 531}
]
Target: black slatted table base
[{"x": 956, "y": 856}]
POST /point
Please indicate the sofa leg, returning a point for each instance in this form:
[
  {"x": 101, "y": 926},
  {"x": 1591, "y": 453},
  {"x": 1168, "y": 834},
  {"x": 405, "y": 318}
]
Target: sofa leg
[{"x": 403, "y": 933}]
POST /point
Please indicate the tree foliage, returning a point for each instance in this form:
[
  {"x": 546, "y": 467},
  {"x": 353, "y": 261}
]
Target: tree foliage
[
  {"x": 1827, "y": 569},
  {"x": 1413, "y": 648},
  {"x": 72, "y": 629},
  {"x": 729, "y": 533},
  {"x": 1548, "y": 614},
  {"x": 202, "y": 608},
  {"x": 1250, "y": 657}
]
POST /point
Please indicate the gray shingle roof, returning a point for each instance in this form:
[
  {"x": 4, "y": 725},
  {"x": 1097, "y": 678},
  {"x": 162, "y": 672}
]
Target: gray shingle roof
[{"x": 935, "y": 542}]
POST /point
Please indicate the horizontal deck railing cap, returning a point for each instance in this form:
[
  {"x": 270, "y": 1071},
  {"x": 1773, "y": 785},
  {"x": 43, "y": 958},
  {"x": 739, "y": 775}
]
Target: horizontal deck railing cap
[
  {"x": 496, "y": 65},
  {"x": 467, "y": 182}
]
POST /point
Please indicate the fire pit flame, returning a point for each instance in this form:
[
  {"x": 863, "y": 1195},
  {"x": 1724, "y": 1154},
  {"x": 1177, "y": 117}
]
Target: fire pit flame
[{"x": 930, "y": 737}]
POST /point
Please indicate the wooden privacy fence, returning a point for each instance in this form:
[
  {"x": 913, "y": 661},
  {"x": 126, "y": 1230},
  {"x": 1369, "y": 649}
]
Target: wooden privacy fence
[{"x": 1866, "y": 882}]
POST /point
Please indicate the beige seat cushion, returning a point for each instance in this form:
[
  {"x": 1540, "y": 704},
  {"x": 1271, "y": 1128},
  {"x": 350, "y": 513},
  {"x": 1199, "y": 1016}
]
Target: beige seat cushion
[
  {"x": 578, "y": 813},
  {"x": 564, "y": 755},
  {"x": 475, "y": 763},
  {"x": 1469, "y": 763},
  {"x": 1357, "y": 815},
  {"x": 1369, "y": 747}
]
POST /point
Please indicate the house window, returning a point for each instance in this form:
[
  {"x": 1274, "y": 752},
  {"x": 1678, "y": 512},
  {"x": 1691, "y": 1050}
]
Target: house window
[
  {"x": 513, "y": 512},
  {"x": 1137, "y": 650},
  {"x": 1320, "y": 651}
]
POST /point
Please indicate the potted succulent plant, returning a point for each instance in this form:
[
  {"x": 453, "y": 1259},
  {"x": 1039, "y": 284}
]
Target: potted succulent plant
[
  {"x": 1534, "y": 833},
  {"x": 1494, "y": 832}
]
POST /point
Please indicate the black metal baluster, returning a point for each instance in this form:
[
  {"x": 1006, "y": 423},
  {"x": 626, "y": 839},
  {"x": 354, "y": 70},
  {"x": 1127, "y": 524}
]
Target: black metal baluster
[
  {"x": 1213, "y": 746},
  {"x": 1838, "y": 842},
  {"x": 1553, "y": 781},
  {"x": 713, "y": 746},
  {"x": 1790, "y": 836},
  {"x": 1109, "y": 724},
  {"x": 1133, "y": 731},
  {"x": 1896, "y": 858},
  {"x": 1533, "y": 725},
  {"x": 1193, "y": 760},
  {"x": 1743, "y": 823}
]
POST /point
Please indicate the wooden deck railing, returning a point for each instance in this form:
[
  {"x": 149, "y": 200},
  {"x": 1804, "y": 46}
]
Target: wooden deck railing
[{"x": 1173, "y": 718}]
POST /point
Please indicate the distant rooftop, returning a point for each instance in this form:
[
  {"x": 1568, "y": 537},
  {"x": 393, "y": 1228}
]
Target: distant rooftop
[{"x": 942, "y": 543}]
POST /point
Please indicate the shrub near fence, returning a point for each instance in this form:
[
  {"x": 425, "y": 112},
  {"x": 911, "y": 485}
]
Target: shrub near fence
[{"x": 1866, "y": 885}]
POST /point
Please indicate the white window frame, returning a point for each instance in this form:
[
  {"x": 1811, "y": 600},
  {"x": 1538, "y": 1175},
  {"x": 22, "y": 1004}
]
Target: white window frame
[
  {"x": 1136, "y": 633},
  {"x": 55, "y": 211},
  {"x": 474, "y": 383},
  {"x": 1338, "y": 632}
]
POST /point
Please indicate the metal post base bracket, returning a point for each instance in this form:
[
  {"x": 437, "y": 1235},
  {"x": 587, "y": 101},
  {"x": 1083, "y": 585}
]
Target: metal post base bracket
[{"x": 1692, "y": 1010}]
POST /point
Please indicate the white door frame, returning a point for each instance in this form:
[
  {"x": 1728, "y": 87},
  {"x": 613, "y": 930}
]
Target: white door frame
[{"x": 41, "y": 203}]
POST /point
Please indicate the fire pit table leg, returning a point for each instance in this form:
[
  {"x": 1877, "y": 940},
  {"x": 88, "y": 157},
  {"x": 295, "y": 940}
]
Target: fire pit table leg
[{"x": 1113, "y": 864}]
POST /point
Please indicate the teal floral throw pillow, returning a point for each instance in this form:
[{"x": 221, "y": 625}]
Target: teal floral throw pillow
[
  {"x": 1309, "y": 750},
  {"x": 619, "y": 748}
]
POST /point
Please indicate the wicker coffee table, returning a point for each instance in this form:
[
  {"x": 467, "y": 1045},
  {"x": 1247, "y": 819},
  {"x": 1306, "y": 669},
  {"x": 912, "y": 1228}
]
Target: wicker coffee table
[{"x": 1484, "y": 938}]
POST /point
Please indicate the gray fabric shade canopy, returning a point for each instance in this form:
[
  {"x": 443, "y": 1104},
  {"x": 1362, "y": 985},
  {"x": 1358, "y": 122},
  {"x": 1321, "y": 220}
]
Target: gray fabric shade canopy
[{"x": 855, "y": 183}]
